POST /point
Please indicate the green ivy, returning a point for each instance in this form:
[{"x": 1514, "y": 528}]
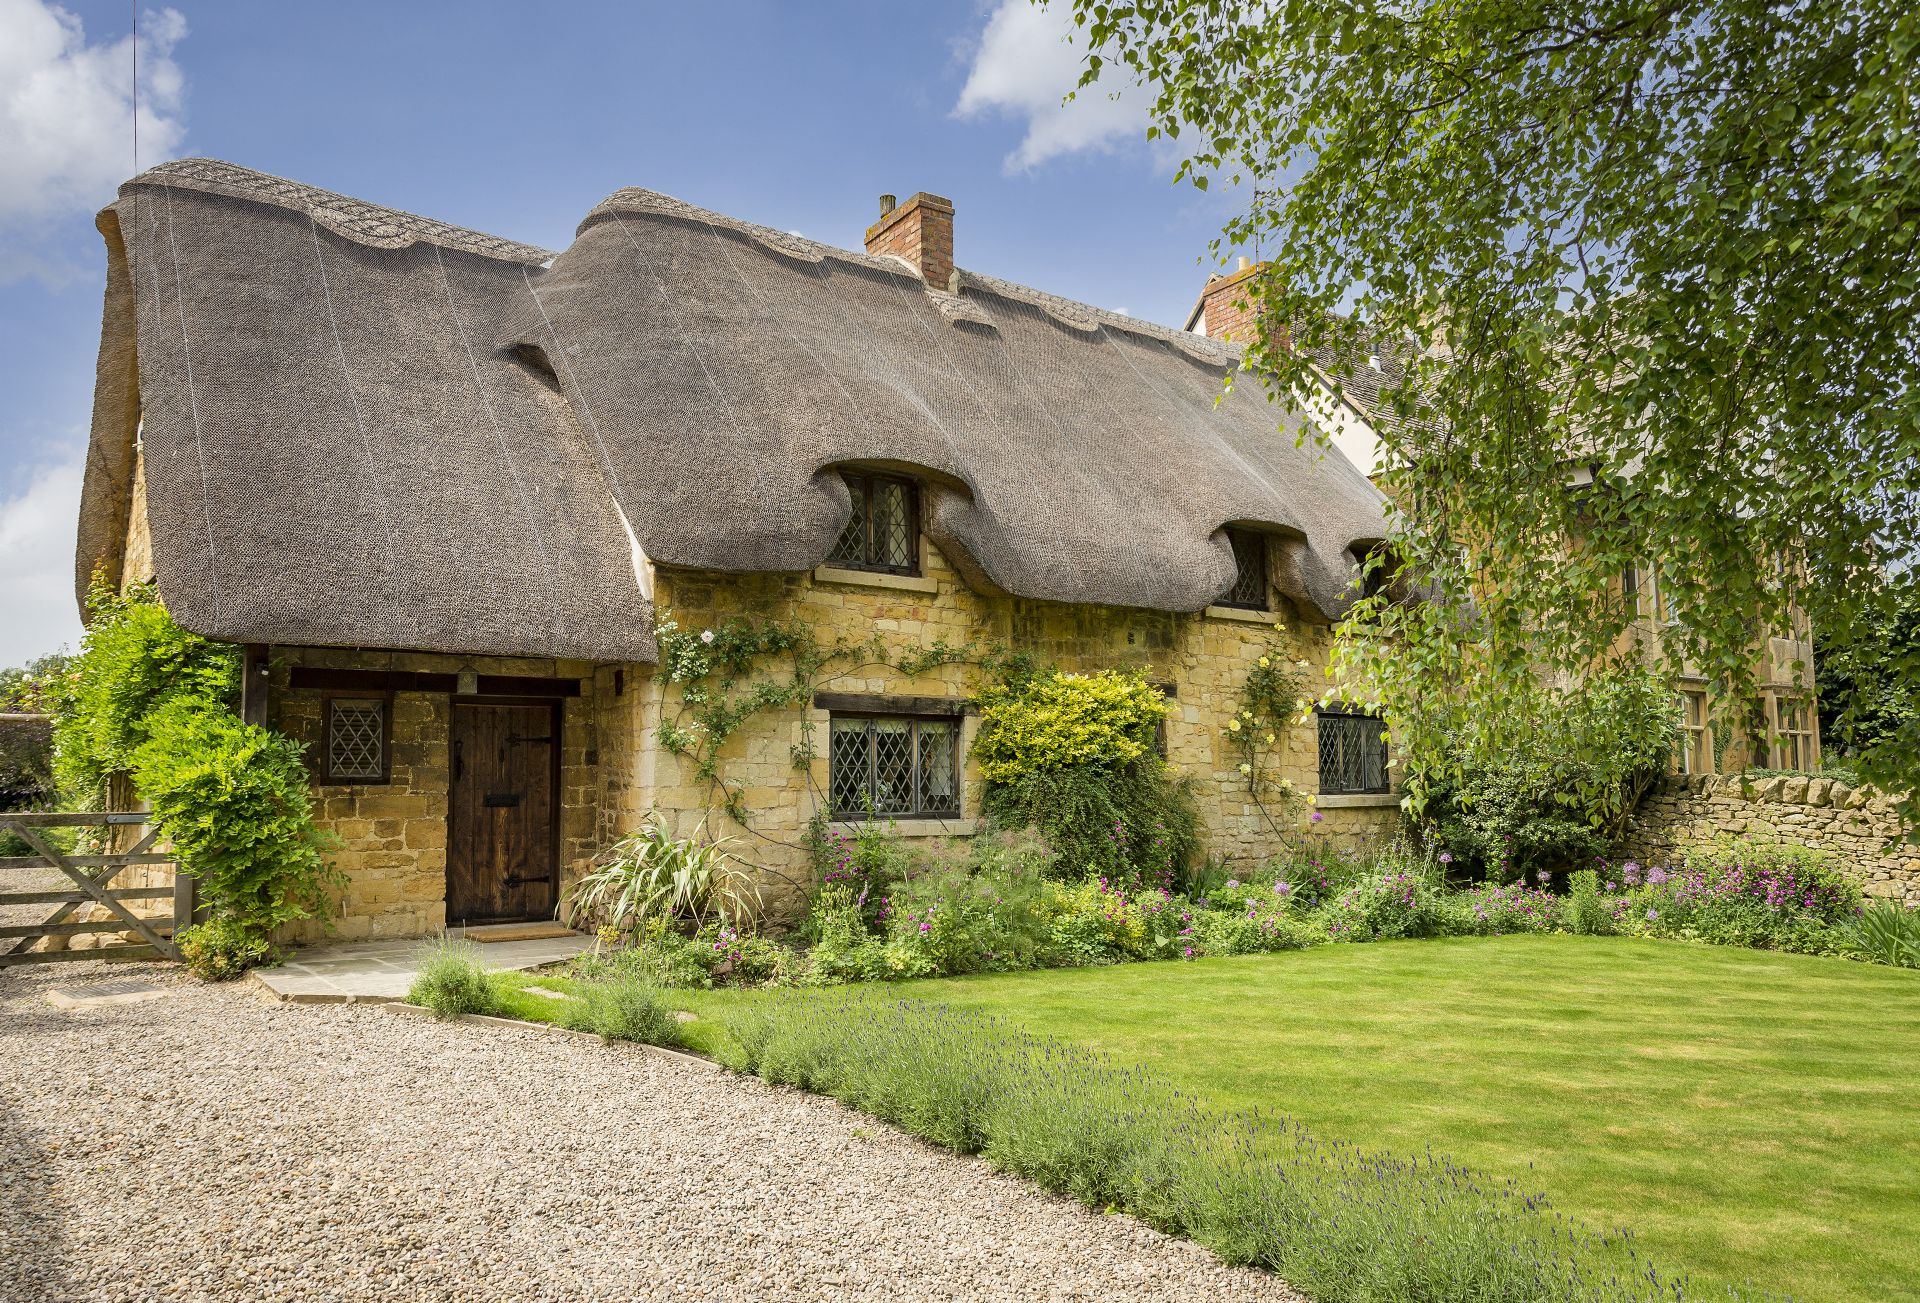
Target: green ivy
[
  {"x": 731, "y": 674},
  {"x": 148, "y": 699},
  {"x": 233, "y": 799},
  {"x": 133, "y": 660}
]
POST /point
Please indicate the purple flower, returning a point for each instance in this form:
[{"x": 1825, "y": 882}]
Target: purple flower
[
  {"x": 1316, "y": 816},
  {"x": 1544, "y": 876},
  {"x": 1653, "y": 914},
  {"x": 1446, "y": 857}
]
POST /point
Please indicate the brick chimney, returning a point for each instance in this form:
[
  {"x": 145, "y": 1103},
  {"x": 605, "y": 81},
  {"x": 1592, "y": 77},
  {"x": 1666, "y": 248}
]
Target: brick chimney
[
  {"x": 920, "y": 231},
  {"x": 1225, "y": 309}
]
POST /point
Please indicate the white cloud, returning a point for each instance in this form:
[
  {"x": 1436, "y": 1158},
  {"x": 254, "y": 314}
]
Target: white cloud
[
  {"x": 67, "y": 112},
  {"x": 1024, "y": 68},
  {"x": 37, "y": 609}
]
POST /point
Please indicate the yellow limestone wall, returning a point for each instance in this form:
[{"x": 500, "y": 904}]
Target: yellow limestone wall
[
  {"x": 1205, "y": 658},
  {"x": 391, "y": 839}
]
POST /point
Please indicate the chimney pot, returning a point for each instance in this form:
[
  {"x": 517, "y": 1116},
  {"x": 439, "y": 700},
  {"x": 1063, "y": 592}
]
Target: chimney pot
[
  {"x": 919, "y": 233},
  {"x": 1244, "y": 264}
]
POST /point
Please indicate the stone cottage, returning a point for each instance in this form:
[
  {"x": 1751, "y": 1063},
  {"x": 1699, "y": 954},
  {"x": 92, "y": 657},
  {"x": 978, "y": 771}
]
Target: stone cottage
[{"x": 445, "y": 488}]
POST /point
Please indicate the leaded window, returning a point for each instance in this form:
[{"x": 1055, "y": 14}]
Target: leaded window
[
  {"x": 1795, "y": 740},
  {"x": 1353, "y": 754},
  {"x": 883, "y": 533},
  {"x": 357, "y": 741},
  {"x": 894, "y": 766},
  {"x": 1250, "y": 570},
  {"x": 1695, "y": 747}
]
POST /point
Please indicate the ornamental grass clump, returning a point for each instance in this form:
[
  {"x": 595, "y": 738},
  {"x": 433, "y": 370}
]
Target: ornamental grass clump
[
  {"x": 621, "y": 1007},
  {"x": 453, "y": 981},
  {"x": 1340, "y": 1223},
  {"x": 651, "y": 874},
  {"x": 1889, "y": 933}
]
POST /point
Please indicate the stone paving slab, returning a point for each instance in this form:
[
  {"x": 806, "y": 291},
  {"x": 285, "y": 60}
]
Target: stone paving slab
[
  {"x": 377, "y": 971},
  {"x": 103, "y": 993}
]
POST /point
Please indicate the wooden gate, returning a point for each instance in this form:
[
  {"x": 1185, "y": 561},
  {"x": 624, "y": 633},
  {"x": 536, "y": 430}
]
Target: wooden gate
[{"x": 91, "y": 883}]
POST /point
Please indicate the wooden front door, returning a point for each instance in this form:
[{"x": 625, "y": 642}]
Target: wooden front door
[{"x": 503, "y": 852}]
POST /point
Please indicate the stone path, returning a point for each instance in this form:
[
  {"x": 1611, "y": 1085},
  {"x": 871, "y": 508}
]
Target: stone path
[
  {"x": 215, "y": 1146},
  {"x": 372, "y": 971}
]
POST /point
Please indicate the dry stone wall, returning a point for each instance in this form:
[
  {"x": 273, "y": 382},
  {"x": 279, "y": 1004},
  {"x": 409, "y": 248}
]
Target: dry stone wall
[{"x": 1857, "y": 827}]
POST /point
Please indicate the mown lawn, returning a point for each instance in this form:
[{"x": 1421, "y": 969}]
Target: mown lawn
[{"x": 1752, "y": 1116}]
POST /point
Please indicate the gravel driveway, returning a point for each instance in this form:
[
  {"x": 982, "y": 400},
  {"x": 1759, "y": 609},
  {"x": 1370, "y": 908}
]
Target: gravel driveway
[{"x": 209, "y": 1146}]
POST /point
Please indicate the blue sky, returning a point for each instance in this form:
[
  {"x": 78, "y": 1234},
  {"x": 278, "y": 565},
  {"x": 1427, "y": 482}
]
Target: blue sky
[{"x": 798, "y": 115}]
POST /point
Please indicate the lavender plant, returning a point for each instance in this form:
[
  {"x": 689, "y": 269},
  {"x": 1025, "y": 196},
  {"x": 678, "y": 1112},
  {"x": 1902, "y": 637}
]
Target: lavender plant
[{"x": 1341, "y": 1223}]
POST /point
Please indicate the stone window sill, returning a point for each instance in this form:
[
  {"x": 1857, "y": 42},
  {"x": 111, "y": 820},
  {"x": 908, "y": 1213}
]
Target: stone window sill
[
  {"x": 875, "y": 579},
  {"x": 1357, "y": 801},
  {"x": 955, "y": 827},
  {"x": 1242, "y": 615}
]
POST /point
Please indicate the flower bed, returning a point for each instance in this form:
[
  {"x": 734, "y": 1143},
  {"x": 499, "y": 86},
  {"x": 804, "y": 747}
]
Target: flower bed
[{"x": 1003, "y": 903}]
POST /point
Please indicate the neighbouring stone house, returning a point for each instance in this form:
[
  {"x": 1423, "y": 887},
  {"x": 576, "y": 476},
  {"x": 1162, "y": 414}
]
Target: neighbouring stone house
[
  {"x": 442, "y": 486},
  {"x": 1718, "y": 736}
]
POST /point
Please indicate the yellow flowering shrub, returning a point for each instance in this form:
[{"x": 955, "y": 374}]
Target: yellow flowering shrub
[{"x": 1066, "y": 721}]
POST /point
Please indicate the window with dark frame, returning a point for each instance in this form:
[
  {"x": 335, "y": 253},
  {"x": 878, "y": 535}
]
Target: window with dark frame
[
  {"x": 1353, "y": 754},
  {"x": 359, "y": 738},
  {"x": 893, "y": 766},
  {"x": 1249, "y": 591},
  {"x": 883, "y": 533}
]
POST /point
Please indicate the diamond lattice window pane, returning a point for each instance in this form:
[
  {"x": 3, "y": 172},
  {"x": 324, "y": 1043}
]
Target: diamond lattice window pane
[
  {"x": 1353, "y": 754},
  {"x": 892, "y": 528},
  {"x": 849, "y": 765},
  {"x": 851, "y": 547},
  {"x": 938, "y": 791},
  {"x": 356, "y": 740},
  {"x": 1250, "y": 570},
  {"x": 892, "y": 766}
]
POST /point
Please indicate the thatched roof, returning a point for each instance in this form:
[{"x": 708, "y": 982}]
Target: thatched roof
[{"x": 367, "y": 428}]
